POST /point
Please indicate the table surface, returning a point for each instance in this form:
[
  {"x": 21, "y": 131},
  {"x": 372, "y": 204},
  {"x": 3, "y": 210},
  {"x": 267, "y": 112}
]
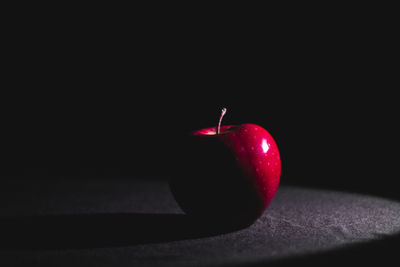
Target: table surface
[{"x": 122, "y": 222}]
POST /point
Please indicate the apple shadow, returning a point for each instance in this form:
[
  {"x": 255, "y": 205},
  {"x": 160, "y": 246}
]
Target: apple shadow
[{"x": 100, "y": 230}]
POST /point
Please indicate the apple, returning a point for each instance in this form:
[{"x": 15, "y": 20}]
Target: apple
[{"x": 227, "y": 175}]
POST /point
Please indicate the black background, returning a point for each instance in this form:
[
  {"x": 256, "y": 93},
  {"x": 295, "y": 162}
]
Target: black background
[
  {"x": 109, "y": 97},
  {"x": 112, "y": 98}
]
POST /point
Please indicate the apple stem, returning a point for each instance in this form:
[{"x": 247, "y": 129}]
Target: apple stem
[{"x": 223, "y": 111}]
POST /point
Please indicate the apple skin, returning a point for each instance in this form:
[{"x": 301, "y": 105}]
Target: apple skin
[{"x": 228, "y": 178}]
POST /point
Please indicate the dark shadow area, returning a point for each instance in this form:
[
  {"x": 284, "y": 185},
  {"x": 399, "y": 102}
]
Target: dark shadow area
[{"x": 100, "y": 230}]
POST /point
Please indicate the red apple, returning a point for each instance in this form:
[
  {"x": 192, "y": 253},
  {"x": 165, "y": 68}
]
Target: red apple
[{"x": 228, "y": 175}]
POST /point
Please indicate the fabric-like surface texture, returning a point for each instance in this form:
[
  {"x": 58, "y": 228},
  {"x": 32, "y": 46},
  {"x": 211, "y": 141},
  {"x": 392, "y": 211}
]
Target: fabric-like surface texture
[{"x": 138, "y": 223}]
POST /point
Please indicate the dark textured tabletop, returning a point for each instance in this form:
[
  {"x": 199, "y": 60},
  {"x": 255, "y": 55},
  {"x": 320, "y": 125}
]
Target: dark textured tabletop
[{"x": 137, "y": 223}]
